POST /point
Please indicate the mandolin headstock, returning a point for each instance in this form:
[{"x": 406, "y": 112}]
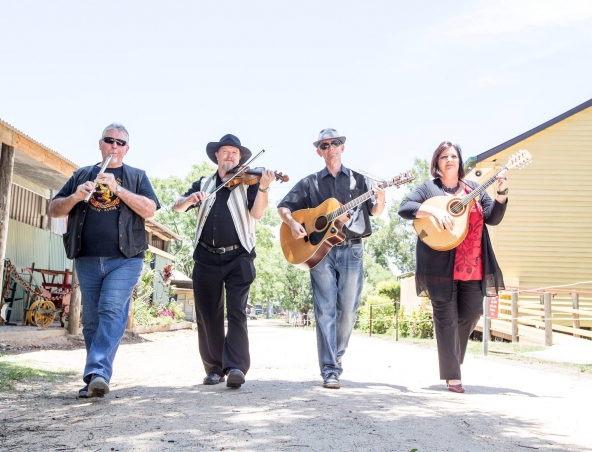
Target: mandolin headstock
[
  {"x": 403, "y": 178},
  {"x": 519, "y": 160}
]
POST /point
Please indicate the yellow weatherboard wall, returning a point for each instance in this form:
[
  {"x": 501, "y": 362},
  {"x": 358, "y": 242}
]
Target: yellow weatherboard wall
[{"x": 545, "y": 238}]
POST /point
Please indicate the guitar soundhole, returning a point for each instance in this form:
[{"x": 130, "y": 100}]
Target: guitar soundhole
[
  {"x": 320, "y": 223},
  {"x": 456, "y": 207}
]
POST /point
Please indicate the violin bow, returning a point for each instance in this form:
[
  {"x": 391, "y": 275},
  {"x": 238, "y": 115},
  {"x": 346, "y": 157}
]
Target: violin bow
[{"x": 236, "y": 174}]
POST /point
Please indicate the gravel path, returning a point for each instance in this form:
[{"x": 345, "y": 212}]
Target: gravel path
[{"x": 390, "y": 399}]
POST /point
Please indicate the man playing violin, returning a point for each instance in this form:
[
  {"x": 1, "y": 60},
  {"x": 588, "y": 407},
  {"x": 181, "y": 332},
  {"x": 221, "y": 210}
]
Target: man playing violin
[
  {"x": 224, "y": 254},
  {"x": 337, "y": 279}
]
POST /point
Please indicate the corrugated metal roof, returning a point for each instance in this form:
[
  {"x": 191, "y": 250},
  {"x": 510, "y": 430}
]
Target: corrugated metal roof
[
  {"x": 14, "y": 129},
  {"x": 162, "y": 229}
]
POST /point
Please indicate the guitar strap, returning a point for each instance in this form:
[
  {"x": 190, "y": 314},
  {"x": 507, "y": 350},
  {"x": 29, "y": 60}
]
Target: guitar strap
[
  {"x": 352, "y": 180},
  {"x": 352, "y": 185}
]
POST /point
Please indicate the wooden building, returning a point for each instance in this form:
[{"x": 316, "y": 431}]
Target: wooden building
[
  {"x": 30, "y": 175},
  {"x": 545, "y": 239}
]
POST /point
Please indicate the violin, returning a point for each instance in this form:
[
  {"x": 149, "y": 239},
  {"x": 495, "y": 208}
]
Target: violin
[{"x": 251, "y": 176}]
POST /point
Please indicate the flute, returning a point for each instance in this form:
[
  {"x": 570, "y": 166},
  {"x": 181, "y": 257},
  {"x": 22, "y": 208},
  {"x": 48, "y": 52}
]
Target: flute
[{"x": 103, "y": 168}]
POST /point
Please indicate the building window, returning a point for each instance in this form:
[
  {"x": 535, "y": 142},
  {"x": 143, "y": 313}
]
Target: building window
[{"x": 28, "y": 207}]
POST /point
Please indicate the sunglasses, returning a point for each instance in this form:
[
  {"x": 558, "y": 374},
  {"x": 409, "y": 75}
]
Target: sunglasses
[
  {"x": 333, "y": 143},
  {"x": 110, "y": 140}
]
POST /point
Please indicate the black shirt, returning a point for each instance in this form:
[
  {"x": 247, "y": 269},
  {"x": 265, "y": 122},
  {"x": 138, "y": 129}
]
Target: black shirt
[
  {"x": 100, "y": 232},
  {"x": 316, "y": 188},
  {"x": 219, "y": 229}
]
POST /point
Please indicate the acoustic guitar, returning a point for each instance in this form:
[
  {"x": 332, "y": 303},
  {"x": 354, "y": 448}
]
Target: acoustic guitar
[
  {"x": 323, "y": 227},
  {"x": 439, "y": 239}
]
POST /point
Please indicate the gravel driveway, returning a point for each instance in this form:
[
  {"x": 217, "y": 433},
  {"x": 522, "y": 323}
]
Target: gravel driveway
[{"x": 390, "y": 399}]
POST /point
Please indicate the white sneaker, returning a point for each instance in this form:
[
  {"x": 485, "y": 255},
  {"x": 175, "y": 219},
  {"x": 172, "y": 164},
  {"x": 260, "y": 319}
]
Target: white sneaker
[{"x": 98, "y": 386}]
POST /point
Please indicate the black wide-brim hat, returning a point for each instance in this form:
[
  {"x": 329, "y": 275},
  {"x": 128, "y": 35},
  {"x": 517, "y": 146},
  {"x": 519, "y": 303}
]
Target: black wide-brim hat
[{"x": 227, "y": 140}]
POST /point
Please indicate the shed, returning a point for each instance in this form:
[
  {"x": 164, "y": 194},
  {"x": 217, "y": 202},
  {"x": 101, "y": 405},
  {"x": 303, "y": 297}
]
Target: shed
[{"x": 30, "y": 175}]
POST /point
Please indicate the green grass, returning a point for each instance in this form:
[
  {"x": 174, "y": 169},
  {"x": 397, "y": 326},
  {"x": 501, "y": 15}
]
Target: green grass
[
  {"x": 476, "y": 347},
  {"x": 11, "y": 373}
]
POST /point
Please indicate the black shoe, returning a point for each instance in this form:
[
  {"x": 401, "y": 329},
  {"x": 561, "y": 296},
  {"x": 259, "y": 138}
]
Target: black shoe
[
  {"x": 331, "y": 381},
  {"x": 83, "y": 393},
  {"x": 213, "y": 379},
  {"x": 235, "y": 378}
]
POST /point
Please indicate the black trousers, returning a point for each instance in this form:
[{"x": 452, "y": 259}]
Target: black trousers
[
  {"x": 214, "y": 274},
  {"x": 454, "y": 321}
]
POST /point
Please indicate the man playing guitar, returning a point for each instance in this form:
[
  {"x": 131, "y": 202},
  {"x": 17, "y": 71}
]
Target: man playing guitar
[{"x": 337, "y": 279}]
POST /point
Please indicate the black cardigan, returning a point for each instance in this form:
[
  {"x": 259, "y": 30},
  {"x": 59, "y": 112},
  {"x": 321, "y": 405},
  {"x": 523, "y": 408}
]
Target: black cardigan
[{"x": 434, "y": 270}]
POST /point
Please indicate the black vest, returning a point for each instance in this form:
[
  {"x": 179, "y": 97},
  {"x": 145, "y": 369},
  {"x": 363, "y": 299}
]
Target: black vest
[{"x": 132, "y": 230}]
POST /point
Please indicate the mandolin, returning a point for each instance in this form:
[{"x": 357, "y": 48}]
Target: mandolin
[
  {"x": 430, "y": 232},
  {"x": 323, "y": 227}
]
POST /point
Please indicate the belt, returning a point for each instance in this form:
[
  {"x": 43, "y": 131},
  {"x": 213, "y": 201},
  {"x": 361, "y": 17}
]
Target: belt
[
  {"x": 221, "y": 250},
  {"x": 349, "y": 242}
]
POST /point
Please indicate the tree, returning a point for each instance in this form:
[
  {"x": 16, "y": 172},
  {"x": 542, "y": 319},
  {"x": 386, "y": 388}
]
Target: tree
[
  {"x": 297, "y": 289},
  {"x": 395, "y": 241},
  {"x": 277, "y": 280},
  {"x": 268, "y": 285},
  {"x": 184, "y": 224}
]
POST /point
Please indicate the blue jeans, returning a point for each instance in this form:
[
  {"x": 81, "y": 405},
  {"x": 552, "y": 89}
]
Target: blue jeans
[
  {"x": 106, "y": 285},
  {"x": 336, "y": 287}
]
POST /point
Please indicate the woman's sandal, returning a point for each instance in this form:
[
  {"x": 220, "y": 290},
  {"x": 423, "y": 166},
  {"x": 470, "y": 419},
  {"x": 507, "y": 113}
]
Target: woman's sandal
[{"x": 455, "y": 388}]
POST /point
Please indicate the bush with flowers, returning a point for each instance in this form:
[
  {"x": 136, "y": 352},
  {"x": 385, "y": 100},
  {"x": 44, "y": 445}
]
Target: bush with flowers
[{"x": 162, "y": 311}]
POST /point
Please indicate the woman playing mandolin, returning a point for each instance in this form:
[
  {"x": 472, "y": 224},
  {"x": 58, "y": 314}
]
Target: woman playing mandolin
[{"x": 457, "y": 279}]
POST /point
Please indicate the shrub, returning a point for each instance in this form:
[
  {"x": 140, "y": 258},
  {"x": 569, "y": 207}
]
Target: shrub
[
  {"x": 390, "y": 289},
  {"x": 150, "y": 312},
  {"x": 404, "y": 324},
  {"x": 422, "y": 325},
  {"x": 383, "y": 314}
]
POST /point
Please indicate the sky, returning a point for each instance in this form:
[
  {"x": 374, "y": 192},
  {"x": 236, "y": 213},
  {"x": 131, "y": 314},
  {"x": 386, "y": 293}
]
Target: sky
[{"x": 395, "y": 77}]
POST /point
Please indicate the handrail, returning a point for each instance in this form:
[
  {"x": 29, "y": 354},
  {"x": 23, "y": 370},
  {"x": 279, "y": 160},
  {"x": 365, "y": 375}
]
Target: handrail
[{"x": 548, "y": 289}]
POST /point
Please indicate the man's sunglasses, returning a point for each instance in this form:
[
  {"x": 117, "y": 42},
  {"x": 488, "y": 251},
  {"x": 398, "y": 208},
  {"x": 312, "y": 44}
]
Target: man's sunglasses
[
  {"x": 110, "y": 140},
  {"x": 333, "y": 143}
]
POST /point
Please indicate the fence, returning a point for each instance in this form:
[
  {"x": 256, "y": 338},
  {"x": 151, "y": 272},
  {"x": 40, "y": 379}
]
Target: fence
[
  {"x": 564, "y": 311},
  {"x": 381, "y": 318}
]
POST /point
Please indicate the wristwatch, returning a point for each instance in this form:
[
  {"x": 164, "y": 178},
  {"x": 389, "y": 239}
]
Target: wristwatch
[
  {"x": 118, "y": 189},
  {"x": 263, "y": 190},
  {"x": 505, "y": 192}
]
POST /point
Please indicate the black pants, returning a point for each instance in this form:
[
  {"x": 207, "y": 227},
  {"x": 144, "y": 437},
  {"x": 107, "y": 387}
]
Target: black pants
[
  {"x": 212, "y": 274},
  {"x": 454, "y": 321}
]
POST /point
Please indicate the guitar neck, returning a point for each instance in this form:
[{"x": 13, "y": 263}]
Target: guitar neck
[
  {"x": 481, "y": 188},
  {"x": 355, "y": 202}
]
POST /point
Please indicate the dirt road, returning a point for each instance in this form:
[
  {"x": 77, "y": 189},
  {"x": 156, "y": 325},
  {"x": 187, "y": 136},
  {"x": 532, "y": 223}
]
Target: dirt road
[{"x": 391, "y": 399}]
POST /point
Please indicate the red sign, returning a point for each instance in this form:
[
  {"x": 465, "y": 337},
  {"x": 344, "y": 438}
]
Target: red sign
[{"x": 493, "y": 307}]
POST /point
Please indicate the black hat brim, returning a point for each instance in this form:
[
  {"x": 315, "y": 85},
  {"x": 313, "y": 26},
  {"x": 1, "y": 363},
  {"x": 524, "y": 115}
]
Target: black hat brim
[{"x": 213, "y": 147}]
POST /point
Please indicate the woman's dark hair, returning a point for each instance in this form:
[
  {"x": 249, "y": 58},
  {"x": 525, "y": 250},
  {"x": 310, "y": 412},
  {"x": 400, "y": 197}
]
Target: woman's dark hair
[{"x": 444, "y": 146}]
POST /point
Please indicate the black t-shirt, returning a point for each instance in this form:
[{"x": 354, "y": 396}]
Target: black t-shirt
[
  {"x": 219, "y": 229},
  {"x": 100, "y": 232}
]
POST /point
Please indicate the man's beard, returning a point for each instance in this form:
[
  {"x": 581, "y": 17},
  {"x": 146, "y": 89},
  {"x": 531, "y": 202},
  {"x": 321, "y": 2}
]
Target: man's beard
[{"x": 227, "y": 166}]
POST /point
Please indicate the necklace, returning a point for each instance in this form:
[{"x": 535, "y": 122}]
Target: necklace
[{"x": 452, "y": 190}]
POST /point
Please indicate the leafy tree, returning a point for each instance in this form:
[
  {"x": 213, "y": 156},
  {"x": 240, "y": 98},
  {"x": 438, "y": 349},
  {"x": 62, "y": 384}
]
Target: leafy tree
[
  {"x": 390, "y": 289},
  {"x": 268, "y": 287},
  {"x": 395, "y": 241},
  {"x": 297, "y": 289}
]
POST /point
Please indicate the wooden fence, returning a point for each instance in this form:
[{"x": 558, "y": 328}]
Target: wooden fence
[{"x": 564, "y": 311}]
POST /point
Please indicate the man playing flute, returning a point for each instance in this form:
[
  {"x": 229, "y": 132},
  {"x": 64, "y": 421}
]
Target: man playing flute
[{"x": 107, "y": 238}]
